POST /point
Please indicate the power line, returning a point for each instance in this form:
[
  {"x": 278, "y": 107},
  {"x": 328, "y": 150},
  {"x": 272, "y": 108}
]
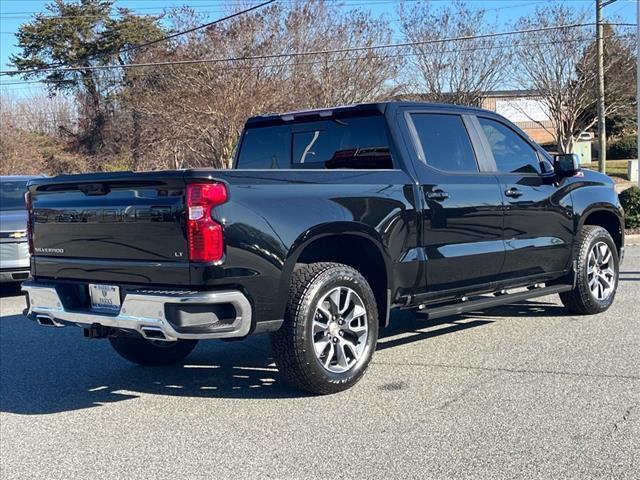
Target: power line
[
  {"x": 225, "y": 7},
  {"x": 173, "y": 35},
  {"x": 299, "y": 54},
  {"x": 7, "y": 15},
  {"x": 351, "y": 59},
  {"x": 38, "y": 15},
  {"x": 199, "y": 27},
  {"x": 492, "y": 9},
  {"x": 218, "y": 7}
]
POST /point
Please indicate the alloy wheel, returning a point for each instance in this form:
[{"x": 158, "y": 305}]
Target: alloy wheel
[
  {"x": 340, "y": 329},
  {"x": 601, "y": 274}
]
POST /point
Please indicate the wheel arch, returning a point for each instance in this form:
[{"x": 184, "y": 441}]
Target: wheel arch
[
  {"x": 608, "y": 219},
  {"x": 355, "y": 245}
]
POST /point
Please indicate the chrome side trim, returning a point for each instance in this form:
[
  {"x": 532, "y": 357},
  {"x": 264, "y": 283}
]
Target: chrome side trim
[{"x": 140, "y": 311}]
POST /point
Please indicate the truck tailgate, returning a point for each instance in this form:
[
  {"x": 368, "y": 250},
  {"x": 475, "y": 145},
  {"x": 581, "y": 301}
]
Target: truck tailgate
[{"x": 123, "y": 227}]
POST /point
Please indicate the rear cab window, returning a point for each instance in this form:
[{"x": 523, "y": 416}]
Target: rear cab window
[{"x": 353, "y": 143}]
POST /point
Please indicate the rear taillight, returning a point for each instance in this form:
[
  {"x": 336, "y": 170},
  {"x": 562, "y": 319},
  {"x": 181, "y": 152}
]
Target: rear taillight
[
  {"x": 206, "y": 242},
  {"x": 27, "y": 203}
]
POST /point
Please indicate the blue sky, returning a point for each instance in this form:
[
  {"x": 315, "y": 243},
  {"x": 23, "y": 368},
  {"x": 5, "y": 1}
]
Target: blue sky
[{"x": 13, "y": 13}]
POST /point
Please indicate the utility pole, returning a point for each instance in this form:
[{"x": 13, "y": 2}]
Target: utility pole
[
  {"x": 638, "y": 86},
  {"x": 602, "y": 134}
]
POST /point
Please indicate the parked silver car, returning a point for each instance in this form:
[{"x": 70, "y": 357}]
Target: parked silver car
[{"x": 14, "y": 246}]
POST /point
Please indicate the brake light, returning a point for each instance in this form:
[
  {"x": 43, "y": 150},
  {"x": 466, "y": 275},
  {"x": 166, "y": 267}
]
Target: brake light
[
  {"x": 28, "y": 205},
  {"x": 205, "y": 235}
]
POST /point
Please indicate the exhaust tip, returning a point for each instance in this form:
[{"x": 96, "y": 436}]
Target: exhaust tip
[
  {"x": 153, "y": 333},
  {"x": 47, "y": 321}
]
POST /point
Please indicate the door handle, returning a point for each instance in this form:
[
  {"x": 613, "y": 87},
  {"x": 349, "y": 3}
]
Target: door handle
[
  {"x": 437, "y": 195},
  {"x": 513, "y": 192}
]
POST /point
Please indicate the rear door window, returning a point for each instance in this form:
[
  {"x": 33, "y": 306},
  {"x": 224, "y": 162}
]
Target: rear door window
[{"x": 444, "y": 141}]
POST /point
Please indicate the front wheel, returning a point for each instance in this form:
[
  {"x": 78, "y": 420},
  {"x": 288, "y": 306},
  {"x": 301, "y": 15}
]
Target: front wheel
[
  {"x": 596, "y": 272},
  {"x": 152, "y": 353},
  {"x": 330, "y": 329}
]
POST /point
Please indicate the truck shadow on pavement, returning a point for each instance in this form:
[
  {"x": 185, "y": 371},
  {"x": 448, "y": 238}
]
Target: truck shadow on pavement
[
  {"x": 399, "y": 333},
  {"x": 45, "y": 370}
]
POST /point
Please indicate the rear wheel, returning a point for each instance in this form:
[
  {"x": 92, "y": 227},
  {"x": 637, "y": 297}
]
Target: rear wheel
[
  {"x": 596, "y": 274},
  {"x": 152, "y": 353},
  {"x": 330, "y": 329}
]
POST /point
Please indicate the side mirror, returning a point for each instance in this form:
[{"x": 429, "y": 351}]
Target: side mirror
[{"x": 566, "y": 164}]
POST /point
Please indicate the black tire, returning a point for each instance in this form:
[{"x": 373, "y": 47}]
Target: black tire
[
  {"x": 293, "y": 344},
  {"x": 152, "y": 354},
  {"x": 581, "y": 299}
]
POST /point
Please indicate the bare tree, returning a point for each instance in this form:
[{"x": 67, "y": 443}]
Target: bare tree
[
  {"x": 39, "y": 113},
  {"x": 192, "y": 115},
  {"x": 458, "y": 71},
  {"x": 81, "y": 34},
  {"x": 343, "y": 77},
  {"x": 17, "y": 154},
  {"x": 560, "y": 66},
  {"x": 32, "y": 138}
]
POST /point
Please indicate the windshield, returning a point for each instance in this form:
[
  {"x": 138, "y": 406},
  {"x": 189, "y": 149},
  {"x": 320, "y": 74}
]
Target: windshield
[{"x": 12, "y": 195}]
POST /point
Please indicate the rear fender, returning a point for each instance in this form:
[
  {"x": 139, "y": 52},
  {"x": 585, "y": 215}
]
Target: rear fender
[{"x": 327, "y": 230}]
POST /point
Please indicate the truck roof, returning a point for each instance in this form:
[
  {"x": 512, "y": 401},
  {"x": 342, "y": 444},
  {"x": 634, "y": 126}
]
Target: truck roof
[
  {"x": 350, "y": 110},
  {"x": 18, "y": 178}
]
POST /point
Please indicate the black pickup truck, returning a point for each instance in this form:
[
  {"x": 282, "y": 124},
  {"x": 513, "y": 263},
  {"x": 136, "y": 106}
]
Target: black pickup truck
[{"x": 330, "y": 219}]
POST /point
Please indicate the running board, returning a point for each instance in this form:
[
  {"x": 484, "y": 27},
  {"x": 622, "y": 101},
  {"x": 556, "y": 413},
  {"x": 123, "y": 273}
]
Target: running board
[{"x": 488, "y": 302}]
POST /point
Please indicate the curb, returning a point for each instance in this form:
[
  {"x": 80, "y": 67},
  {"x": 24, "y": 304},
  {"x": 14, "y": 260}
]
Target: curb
[{"x": 631, "y": 240}]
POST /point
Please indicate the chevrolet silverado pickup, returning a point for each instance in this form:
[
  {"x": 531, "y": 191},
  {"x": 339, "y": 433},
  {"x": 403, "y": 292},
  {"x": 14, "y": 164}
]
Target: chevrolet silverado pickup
[
  {"x": 329, "y": 219},
  {"x": 14, "y": 249}
]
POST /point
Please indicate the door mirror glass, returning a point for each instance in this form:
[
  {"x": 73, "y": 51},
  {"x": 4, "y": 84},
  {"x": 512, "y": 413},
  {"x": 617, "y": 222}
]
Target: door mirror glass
[{"x": 567, "y": 164}]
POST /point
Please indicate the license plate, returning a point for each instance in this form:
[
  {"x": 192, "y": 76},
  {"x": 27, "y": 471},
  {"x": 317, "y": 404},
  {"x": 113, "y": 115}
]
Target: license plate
[{"x": 105, "y": 297}]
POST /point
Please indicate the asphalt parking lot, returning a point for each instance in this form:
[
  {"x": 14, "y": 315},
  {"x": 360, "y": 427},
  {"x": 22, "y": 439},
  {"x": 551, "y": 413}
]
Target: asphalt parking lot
[{"x": 525, "y": 391}]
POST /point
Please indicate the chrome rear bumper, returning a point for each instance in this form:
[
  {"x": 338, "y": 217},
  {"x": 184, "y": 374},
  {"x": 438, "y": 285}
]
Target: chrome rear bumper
[{"x": 143, "y": 311}]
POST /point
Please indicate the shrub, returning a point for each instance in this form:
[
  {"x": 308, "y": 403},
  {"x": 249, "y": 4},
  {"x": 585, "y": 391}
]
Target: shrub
[
  {"x": 623, "y": 148},
  {"x": 630, "y": 200}
]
